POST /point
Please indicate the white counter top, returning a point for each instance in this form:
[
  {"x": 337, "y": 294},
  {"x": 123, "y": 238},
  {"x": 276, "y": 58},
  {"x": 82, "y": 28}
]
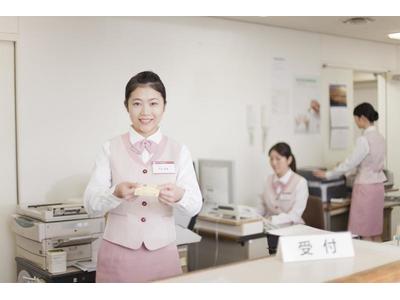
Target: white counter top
[{"x": 271, "y": 269}]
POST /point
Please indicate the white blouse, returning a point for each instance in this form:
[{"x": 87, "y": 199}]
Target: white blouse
[
  {"x": 360, "y": 151},
  {"x": 301, "y": 198},
  {"x": 99, "y": 198}
]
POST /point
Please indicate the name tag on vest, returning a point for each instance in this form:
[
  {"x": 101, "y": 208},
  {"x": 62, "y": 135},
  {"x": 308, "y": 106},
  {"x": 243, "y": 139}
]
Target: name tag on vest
[
  {"x": 164, "y": 167},
  {"x": 285, "y": 197}
]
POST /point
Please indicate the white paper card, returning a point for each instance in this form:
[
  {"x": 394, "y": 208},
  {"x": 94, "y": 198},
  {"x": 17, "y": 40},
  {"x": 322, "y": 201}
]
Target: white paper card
[
  {"x": 340, "y": 116},
  {"x": 164, "y": 167},
  {"x": 298, "y": 229},
  {"x": 313, "y": 247}
]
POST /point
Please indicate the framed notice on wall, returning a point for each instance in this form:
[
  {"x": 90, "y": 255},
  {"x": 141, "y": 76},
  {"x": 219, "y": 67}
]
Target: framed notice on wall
[
  {"x": 306, "y": 105},
  {"x": 339, "y": 116}
]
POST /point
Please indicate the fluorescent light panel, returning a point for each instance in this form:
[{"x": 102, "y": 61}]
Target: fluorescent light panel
[{"x": 395, "y": 36}]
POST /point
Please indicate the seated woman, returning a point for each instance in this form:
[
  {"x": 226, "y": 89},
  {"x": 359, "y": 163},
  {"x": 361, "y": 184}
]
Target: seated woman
[{"x": 286, "y": 193}]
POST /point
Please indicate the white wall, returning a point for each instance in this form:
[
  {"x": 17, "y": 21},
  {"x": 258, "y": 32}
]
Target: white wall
[
  {"x": 393, "y": 139},
  {"x": 393, "y": 123},
  {"x": 72, "y": 72},
  {"x": 8, "y": 28},
  {"x": 365, "y": 92},
  {"x": 359, "y": 55},
  {"x": 8, "y": 188}
]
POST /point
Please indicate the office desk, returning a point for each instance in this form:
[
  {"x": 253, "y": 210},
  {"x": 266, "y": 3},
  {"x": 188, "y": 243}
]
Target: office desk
[
  {"x": 214, "y": 250},
  {"x": 337, "y": 217},
  {"x": 368, "y": 255}
]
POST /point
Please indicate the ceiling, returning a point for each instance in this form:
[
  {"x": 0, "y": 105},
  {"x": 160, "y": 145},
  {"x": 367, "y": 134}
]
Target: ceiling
[{"x": 373, "y": 31}]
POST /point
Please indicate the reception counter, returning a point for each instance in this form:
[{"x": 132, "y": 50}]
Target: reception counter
[{"x": 368, "y": 256}]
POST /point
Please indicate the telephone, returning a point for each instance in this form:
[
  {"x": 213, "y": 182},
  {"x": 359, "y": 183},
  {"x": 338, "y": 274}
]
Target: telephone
[{"x": 231, "y": 212}]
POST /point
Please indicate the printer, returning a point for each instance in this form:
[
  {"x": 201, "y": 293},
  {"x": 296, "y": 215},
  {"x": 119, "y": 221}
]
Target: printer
[
  {"x": 323, "y": 188},
  {"x": 389, "y": 183},
  {"x": 54, "y": 211},
  {"x": 44, "y": 227}
]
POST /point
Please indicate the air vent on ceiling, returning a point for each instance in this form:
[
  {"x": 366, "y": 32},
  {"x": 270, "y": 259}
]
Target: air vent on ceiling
[{"x": 358, "y": 20}]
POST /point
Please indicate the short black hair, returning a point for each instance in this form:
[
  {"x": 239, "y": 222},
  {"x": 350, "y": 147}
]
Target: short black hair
[
  {"x": 367, "y": 110},
  {"x": 146, "y": 78}
]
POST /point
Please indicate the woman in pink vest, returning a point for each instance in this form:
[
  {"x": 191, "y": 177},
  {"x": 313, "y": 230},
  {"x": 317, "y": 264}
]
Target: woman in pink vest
[
  {"x": 367, "y": 200},
  {"x": 139, "y": 239},
  {"x": 286, "y": 193}
]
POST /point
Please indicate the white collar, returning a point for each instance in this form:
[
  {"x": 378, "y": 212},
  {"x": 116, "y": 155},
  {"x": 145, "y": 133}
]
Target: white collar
[
  {"x": 285, "y": 178},
  {"x": 134, "y": 136},
  {"x": 370, "y": 128}
]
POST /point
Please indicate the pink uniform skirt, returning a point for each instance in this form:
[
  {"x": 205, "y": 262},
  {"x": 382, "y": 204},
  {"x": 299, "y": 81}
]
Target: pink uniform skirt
[
  {"x": 116, "y": 263},
  {"x": 366, "y": 210}
]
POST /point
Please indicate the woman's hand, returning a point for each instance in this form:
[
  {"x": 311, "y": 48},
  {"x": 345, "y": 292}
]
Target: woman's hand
[
  {"x": 125, "y": 190},
  {"x": 170, "y": 193},
  {"x": 320, "y": 174}
]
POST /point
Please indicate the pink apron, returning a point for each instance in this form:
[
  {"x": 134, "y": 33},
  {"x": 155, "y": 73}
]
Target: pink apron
[
  {"x": 366, "y": 211},
  {"x": 116, "y": 263}
]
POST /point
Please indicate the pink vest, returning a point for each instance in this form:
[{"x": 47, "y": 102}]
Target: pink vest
[
  {"x": 144, "y": 219},
  {"x": 370, "y": 169},
  {"x": 275, "y": 204}
]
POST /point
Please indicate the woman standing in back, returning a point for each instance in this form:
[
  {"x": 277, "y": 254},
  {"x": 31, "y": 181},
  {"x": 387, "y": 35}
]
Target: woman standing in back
[{"x": 367, "y": 199}]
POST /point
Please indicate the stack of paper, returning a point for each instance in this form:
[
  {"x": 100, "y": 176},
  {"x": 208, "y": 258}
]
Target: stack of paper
[
  {"x": 298, "y": 229},
  {"x": 87, "y": 266},
  {"x": 338, "y": 200}
]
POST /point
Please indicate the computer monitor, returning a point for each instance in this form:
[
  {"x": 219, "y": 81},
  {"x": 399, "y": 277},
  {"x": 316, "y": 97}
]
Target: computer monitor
[{"x": 216, "y": 181}]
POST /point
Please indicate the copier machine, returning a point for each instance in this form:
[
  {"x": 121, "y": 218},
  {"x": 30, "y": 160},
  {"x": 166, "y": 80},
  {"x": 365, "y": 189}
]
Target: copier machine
[
  {"x": 44, "y": 227},
  {"x": 323, "y": 188}
]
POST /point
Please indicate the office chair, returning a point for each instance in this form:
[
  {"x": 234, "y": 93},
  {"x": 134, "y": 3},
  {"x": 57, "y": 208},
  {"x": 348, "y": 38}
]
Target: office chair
[
  {"x": 313, "y": 215},
  {"x": 193, "y": 219}
]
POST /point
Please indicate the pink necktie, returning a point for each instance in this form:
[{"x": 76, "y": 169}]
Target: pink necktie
[{"x": 139, "y": 146}]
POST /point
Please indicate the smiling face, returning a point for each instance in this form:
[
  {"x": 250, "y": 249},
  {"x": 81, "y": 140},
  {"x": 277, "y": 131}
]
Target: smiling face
[
  {"x": 279, "y": 163},
  {"x": 145, "y": 108}
]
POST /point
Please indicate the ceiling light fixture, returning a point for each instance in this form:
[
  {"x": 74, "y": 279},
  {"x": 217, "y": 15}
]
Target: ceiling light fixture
[
  {"x": 358, "y": 20},
  {"x": 394, "y": 36}
]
